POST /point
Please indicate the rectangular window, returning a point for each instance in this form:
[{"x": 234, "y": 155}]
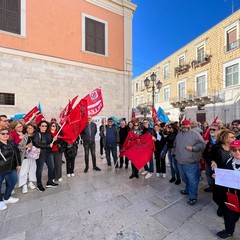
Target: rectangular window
[
  {"x": 136, "y": 102},
  {"x": 181, "y": 61},
  {"x": 232, "y": 75},
  {"x": 94, "y": 36},
  {"x": 166, "y": 94},
  {"x": 232, "y": 39},
  {"x": 182, "y": 90},
  {"x": 10, "y": 15},
  {"x": 166, "y": 71},
  {"x": 148, "y": 98},
  {"x": 201, "y": 86},
  {"x": 136, "y": 87},
  {"x": 200, "y": 54},
  {"x": 142, "y": 99},
  {"x": 7, "y": 99}
]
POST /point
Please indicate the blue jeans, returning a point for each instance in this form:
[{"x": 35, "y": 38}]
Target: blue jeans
[
  {"x": 190, "y": 174},
  {"x": 113, "y": 149},
  {"x": 150, "y": 167},
  {"x": 48, "y": 159},
  {"x": 11, "y": 180},
  {"x": 173, "y": 165}
]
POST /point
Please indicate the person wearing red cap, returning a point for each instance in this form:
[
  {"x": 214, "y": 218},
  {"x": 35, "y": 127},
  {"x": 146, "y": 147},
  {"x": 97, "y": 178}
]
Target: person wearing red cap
[
  {"x": 230, "y": 216},
  {"x": 188, "y": 148}
]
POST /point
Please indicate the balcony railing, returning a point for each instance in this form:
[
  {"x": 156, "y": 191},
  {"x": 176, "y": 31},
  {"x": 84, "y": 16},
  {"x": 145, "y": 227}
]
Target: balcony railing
[
  {"x": 182, "y": 68},
  {"x": 232, "y": 46},
  {"x": 200, "y": 61}
]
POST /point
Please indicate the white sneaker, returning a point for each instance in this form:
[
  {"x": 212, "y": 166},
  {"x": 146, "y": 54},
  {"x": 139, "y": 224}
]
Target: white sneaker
[
  {"x": 13, "y": 192},
  {"x": 102, "y": 157},
  {"x": 24, "y": 188},
  {"x": 3, "y": 206},
  {"x": 69, "y": 175},
  {"x": 157, "y": 174},
  {"x": 72, "y": 175},
  {"x": 144, "y": 173},
  {"x": 164, "y": 175},
  {"x": 60, "y": 179},
  {"x": 148, "y": 175},
  {"x": 31, "y": 185},
  {"x": 11, "y": 200}
]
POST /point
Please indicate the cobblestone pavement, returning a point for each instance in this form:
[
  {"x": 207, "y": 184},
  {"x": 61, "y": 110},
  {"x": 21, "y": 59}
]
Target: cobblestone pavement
[{"x": 106, "y": 205}]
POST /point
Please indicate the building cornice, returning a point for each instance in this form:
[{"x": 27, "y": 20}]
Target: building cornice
[{"x": 120, "y": 7}]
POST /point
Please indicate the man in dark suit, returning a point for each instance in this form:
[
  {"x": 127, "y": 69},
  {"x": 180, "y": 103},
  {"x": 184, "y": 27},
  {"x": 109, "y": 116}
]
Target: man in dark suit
[{"x": 88, "y": 137}]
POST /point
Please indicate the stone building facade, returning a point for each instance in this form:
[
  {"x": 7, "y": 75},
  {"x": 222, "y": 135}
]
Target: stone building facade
[
  {"x": 202, "y": 79},
  {"x": 52, "y": 57}
]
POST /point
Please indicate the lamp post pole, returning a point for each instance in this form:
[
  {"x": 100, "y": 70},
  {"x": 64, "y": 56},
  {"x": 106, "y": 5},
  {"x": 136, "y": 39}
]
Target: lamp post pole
[{"x": 154, "y": 89}]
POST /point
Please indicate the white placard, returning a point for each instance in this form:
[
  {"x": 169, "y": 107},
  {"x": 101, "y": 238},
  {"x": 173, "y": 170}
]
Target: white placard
[{"x": 227, "y": 178}]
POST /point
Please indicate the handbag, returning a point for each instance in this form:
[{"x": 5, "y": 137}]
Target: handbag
[
  {"x": 232, "y": 202},
  {"x": 33, "y": 152}
]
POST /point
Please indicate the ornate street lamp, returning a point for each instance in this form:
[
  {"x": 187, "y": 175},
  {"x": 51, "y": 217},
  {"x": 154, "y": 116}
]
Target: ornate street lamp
[{"x": 156, "y": 86}]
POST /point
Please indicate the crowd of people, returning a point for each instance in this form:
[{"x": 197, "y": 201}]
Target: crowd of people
[{"x": 26, "y": 147}]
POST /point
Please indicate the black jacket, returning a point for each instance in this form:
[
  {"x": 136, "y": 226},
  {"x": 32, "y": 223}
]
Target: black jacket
[
  {"x": 11, "y": 155},
  {"x": 43, "y": 140}
]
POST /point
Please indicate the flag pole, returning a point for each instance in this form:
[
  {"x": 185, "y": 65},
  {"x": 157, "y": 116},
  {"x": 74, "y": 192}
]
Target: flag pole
[
  {"x": 3, "y": 156},
  {"x": 60, "y": 130}
]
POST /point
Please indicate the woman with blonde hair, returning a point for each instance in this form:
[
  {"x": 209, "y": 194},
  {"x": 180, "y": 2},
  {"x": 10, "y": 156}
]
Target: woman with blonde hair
[{"x": 220, "y": 155}]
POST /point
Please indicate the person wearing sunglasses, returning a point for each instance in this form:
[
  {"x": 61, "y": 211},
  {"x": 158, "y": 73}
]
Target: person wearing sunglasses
[
  {"x": 42, "y": 139},
  {"x": 230, "y": 216},
  {"x": 10, "y": 163},
  {"x": 220, "y": 154},
  {"x": 136, "y": 130}
]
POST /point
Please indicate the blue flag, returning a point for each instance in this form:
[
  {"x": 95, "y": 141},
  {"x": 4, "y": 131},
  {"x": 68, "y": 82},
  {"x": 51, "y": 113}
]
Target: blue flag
[
  {"x": 39, "y": 107},
  {"x": 162, "y": 116}
]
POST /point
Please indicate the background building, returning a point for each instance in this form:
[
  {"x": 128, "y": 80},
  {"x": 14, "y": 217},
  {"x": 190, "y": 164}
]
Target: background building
[
  {"x": 51, "y": 51},
  {"x": 201, "y": 80}
]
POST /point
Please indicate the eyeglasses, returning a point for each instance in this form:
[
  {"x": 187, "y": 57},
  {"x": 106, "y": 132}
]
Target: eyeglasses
[
  {"x": 6, "y": 133},
  {"x": 232, "y": 137},
  {"x": 43, "y": 125},
  {"x": 53, "y": 125},
  {"x": 20, "y": 126},
  {"x": 145, "y": 122},
  {"x": 212, "y": 129},
  {"x": 235, "y": 149}
]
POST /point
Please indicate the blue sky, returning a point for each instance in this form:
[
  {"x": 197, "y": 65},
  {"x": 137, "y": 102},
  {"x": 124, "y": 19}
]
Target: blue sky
[{"x": 160, "y": 27}]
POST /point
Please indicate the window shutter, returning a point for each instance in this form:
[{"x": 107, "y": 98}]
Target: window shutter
[
  {"x": 12, "y": 16},
  {"x": 89, "y": 35},
  {"x": 1, "y": 15},
  {"x": 94, "y": 36},
  {"x": 100, "y": 38}
]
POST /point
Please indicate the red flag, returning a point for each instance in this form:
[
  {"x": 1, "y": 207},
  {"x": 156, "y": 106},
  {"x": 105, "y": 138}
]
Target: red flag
[
  {"x": 154, "y": 115},
  {"x": 65, "y": 112},
  {"x": 39, "y": 118},
  {"x": 75, "y": 122},
  {"x": 138, "y": 149},
  {"x": 207, "y": 133},
  {"x": 133, "y": 116},
  {"x": 94, "y": 101},
  {"x": 31, "y": 114}
]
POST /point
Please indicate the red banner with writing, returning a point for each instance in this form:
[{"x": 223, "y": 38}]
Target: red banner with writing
[
  {"x": 138, "y": 149},
  {"x": 94, "y": 101}
]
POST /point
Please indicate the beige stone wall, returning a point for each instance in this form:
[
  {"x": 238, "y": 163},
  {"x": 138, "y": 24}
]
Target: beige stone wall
[
  {"x": 52, "y": 82},
  {"x": 214, "y": 40}
]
